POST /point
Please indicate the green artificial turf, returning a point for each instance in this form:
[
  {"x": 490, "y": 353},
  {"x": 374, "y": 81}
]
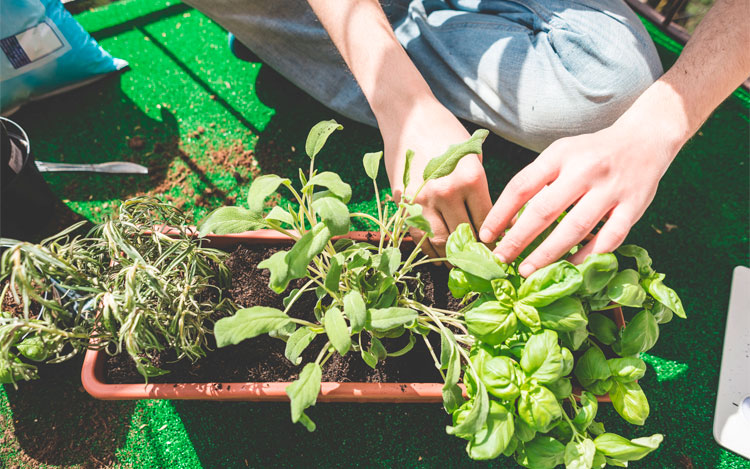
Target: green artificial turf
[{"x": 183, "y": 78}]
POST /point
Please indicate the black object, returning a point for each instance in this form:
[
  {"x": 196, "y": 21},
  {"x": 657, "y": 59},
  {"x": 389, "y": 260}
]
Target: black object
[{"x": 26, "y": 201}]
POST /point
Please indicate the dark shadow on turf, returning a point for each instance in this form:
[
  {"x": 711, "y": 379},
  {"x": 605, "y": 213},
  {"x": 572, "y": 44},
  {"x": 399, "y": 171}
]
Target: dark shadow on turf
[{"x": 56, "y": 422}]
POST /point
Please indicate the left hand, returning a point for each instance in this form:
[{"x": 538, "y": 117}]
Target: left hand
[{"x": 611, "y": 174}]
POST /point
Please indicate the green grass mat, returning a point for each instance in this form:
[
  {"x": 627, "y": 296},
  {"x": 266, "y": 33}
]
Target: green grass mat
[{"x": 206, "y": 123}]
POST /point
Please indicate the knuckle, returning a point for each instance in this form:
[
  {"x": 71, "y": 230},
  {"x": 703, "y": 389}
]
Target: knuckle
[
  {"x": 512, "y": 244},
  {"x": 520, "y": 185},
  {"x": 616, "y": 235},
  {"x": 580, "y": 227},
  {"x": 542, "y": 209}
]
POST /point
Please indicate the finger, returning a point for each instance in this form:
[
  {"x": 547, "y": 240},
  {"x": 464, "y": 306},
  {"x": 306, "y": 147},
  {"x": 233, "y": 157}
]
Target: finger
[
  {"x": 572, "y": 230},
  {"x": 543, "y": 209},
  {"x": 519, "y": 190},
  {"x": 454, "y": 214},
  {"x": 427, "y": 248},
  {"x": 440, "y": 231},
  {"x": 479, "y": 204},
  {"x": 610, "y": 237}
]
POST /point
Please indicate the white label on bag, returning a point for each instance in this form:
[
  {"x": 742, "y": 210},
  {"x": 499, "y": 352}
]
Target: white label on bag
[{"x": 32, "y": 48}]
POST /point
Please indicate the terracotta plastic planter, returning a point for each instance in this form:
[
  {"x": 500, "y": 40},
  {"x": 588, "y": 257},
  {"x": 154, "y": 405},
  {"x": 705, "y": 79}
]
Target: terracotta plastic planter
[{"x": 93, "y": 372}]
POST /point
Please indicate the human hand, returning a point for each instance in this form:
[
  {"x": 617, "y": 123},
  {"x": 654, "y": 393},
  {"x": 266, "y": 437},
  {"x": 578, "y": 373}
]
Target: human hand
[
  {"x": 608, "y": 175},
  {"x": 463, "y": 196}
]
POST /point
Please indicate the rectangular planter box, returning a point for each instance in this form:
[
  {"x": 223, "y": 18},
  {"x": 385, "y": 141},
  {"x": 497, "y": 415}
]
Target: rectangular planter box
[{"x": 93, "y": 372}]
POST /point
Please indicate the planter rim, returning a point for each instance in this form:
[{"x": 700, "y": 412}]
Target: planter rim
[{"x": 93, "y": 370}]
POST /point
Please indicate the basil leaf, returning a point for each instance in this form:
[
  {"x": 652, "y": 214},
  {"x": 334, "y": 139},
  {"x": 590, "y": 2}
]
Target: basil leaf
[
  {"x": 617, "y": 447},
  {"x": 337, "y": 330},
  {"x": 639, "y": 335},
  {"x": 451, "y": 362},
  {"x": 538, "y": 407},
  {"x": 664, "y": 295},
  {"x": 444, "y": 164},
  {"x": 33, "y": 348},
  {"x": 542, "y": 359},
  {"x": 603, "y": 328},
  {"x": 248, "y": 323},
  {"x": 550, "y": 283},
  {"x": 371, "y": 162},
  {"x": 587, "y": 412},
  {"x": 661, "y": 313},
  {"x": 564, "y": 315},
  {"x": 625, "y": 289},
  {"x": 383, "y": 319},
  {"x": 630, "y": 402},
  {"x": 600, "y": 387},
  {"x": 334, "y": 214},
  {"x": 318, "y": 136},
  {"x": 297, "y": 344},
  {"x": 524, "y": 432},
  {"x": 592, "y": 366},
  {"x": 528, "y": 315},
  {"x": 303, "y": 392},
  {"x": 568, "y": 361},
  {"x": 333, "y": 183},
  {"x": 580, "y": 455},
  {"x": 543, "y": 452},
  {"x": 473, "y": 421},
  {"x": 562, "y": 388},
  {"x": 574, "y": 339},
  {"x": 494, "y": 437},
  {"x": 355, "y": 310},
  {"x": 597, "y": 270},
  {"x": 260, "y": 189},
  {"x": 626, "y": 370},
  {"x": 227, "y": 220},
  {"x": 464, "y": 252},
  {"x": 491, "y": 322},
  {"x": 501, "y": 376},
  {"x": 641, "y": 256},
  {"x": 461, "y": 283}
]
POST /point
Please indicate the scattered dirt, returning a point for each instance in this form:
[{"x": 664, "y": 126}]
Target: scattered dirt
[
  {"x": 136, "y": 143},
  {"x": 262, "y": 358}
]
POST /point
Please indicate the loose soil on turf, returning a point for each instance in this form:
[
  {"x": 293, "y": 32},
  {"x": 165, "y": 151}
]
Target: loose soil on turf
[{"x": 262, "y": 359}]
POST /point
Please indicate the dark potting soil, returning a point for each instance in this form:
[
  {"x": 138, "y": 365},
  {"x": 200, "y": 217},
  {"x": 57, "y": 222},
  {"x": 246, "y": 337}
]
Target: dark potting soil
[{"x": 262, "y": 359}]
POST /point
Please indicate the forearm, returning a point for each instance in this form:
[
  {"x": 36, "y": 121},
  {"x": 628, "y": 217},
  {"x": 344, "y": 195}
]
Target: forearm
[
  {"x": 361, "y": 32},
  {"x": 714, "y": 62}
]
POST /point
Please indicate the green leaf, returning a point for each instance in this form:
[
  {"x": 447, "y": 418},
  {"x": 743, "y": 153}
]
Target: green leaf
[
  {"x": 334, "y": 273},
  {"x": 337, "y": 330},
  {"x": 286, "y": 266},
  {"x": 617, "y": 447},
  {"x": 630, "y": 402},
  {"x": 538, "y": 407},
  {"x": 600, "y": 387},
  {"x": 587, "y": 411},
  {"x": 444, "y": 164},
  {"x": 461, "y": 283},
  {"x": 248, "y": 323},
  {"x": 33, "y": 348},
  {"x": 580, "y": 455},
  {"x": 475, "y": 419},
  {"x": 451, "y": 362},
  {"x": 369, "y": 358},
  {"x": 297, "y": 344},
  {"x": 377, "y": 349},
  {"x": 502, "y": 377},
  {"x": 279, "y": 214},
  {"x": 279, "y": 268},
  {"x": 550, "y": 283},
  {"x": 592, "y": 366},
  {"x": 416, "y": 219},
  {"x": 626, "y": 370},
  {"x": 625, "y": 289},
  {"x": 664, "y": 295},
  {"x": 661, "y": 313},
  {"x": 407, "y": 168},
  {"x": 333, "y": 183},
  {"x": 528, "y": 315},
  {"x": 318, "y": 136},
  {"x": 304, "y": 391},
  {"x": 371, "y": 161},
  {"x": 543, "y": 452},
  {"x": 260, "y": 189},
  {"x": 227, "y": 220},
  {"x": 640, "y": 335},
  {"x": 564, "y": 315},
  {"x": 334, "y": 214},
  {"x": 574, "y": 339},
  {"x": 464, "y": 252},
  {"x": 494, "y": 437},
  {"x": 491, "y": 321},
  {"x": 542, "y": 357},
  {"x": 355, "y": 310},
  {"x": 603, "y": 328},
  {"x": 390, "y": 259},
  {"x": 383, "y": 319},
  {"x": 597, "y": 270},
  {"x": 568, "y": 361},
  {"x": 562, "y": 388},
  {"x": 641, "y": 256}
]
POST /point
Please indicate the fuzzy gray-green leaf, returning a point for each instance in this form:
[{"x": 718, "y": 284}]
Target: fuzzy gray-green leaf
[{"x": 444, "y": 164}]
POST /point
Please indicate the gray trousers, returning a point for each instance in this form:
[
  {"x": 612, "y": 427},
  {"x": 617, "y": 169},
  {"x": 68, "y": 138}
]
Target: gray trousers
[{"x": 531, "y": 71}]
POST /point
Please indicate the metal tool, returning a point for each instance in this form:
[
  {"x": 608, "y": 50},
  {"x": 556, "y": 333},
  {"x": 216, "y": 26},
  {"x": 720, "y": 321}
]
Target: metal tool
[{"x": 115, "y": 167}]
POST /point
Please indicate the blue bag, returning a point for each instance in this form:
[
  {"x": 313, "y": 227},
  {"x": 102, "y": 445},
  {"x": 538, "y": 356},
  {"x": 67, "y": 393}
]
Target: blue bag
[{"x": 44, "y": 51}]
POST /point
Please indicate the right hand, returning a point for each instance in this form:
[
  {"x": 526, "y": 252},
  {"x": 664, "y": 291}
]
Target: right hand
[{"x": 461, "y": 197}]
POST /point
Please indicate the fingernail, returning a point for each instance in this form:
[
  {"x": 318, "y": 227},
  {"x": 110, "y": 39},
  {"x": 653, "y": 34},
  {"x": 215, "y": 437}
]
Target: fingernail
[
  {"x": 502, "y": 258},
  {"x": 484, "y": 235},
  {"x": 526, "y": 269}
]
